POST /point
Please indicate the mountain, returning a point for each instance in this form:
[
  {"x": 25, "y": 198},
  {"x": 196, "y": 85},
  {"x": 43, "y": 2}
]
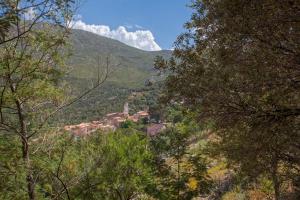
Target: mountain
[
  {"x": 135, "y": 65},
  {"x": 129, "y": 69}
]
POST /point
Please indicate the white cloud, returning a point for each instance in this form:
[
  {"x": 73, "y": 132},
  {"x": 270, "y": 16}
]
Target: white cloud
[{"x": 141, "y": 39}]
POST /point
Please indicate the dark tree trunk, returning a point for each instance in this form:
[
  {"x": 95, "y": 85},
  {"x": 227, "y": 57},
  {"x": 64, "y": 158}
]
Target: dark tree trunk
[
  {"x": 276, "y": 182},
  {"x": 29, "y": 175},
  {"x": 25, "y": 151},
  {"x": 276, "y": 187},
  {"x": 178, "y": 173},
  {"x": 178, "y": 179}
]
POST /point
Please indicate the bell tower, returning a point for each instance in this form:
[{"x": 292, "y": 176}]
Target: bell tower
[{"x": 126, "y": 110}]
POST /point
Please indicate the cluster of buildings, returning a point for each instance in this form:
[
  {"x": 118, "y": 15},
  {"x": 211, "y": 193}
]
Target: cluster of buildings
[{"x": 111, "y": 122}]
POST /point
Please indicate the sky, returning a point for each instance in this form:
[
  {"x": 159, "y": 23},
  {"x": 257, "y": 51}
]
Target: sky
[{"x": 145, "y": 24}]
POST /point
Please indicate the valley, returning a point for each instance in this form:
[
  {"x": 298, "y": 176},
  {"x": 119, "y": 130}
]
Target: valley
[
  {"x": 93, "y": 105},
  {"x": 129, "y": 69}
]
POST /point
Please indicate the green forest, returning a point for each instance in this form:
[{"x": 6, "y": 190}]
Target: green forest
[{"x": 227, "y": 97}]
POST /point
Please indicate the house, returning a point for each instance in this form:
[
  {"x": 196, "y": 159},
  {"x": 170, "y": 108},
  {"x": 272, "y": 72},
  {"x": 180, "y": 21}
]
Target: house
[{"x": 110, "y": 122}]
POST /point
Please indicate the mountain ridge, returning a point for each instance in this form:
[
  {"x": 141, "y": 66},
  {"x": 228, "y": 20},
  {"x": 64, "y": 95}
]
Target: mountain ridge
[
  {"x": 117, "y": 42},
  {"x": 89, "y": 47},
  {"x": 131, "y": 68}
]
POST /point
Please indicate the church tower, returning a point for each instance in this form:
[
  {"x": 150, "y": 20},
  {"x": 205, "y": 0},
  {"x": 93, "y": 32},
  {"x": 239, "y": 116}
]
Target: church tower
[{"x": 126, "y": 110}]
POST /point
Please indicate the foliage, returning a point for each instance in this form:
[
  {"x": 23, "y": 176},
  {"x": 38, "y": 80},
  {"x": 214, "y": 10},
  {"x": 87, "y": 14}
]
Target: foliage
[
  {"x": 236, "y": 194},
  {"x": 237, "y": 65},
  {"x": 30, "y": 67},
  {"x": 181, "y": 173},
  {"x": 120, "y": 164},
  {"x": 132, "y": 68},
  {"x": 126, "y": 124}
]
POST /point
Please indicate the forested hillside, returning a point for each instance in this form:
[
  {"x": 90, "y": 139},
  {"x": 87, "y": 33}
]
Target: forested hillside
[{"x": 129, "y": 70}]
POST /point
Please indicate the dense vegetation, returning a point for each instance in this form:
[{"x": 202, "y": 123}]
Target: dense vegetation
[
  {"x": 229, "y": 103},
  {"x": 238, "y": 66},
  {"x": 129, "y": 70}
]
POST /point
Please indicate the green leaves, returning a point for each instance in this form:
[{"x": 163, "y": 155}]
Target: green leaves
[
  {"x": 234, "y": 67},
  {"x": 180, "y": 169},
  {"x": 121, "y": 166},
  {"x": 30, "y": 65}
]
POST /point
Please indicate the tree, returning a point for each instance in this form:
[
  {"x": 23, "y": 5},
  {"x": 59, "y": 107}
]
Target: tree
[
  {"x": 7, "y": 18},
  {"x": 118, "y": 166},
  {"x": 238, "y": 65},
  {"x": 30, "y": 66},
  {"x": 181, "y": 173},
  {"x": 20, "y": 17}
]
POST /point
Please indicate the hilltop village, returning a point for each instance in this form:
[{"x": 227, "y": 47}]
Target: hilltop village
[{"x": 112, "y": 121}]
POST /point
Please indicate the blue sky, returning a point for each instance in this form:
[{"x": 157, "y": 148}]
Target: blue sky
[{"x": 162, "y": 19}]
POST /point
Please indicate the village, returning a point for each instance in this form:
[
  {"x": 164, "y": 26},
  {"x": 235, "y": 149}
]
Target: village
[{"x": 112, "y": 121}]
